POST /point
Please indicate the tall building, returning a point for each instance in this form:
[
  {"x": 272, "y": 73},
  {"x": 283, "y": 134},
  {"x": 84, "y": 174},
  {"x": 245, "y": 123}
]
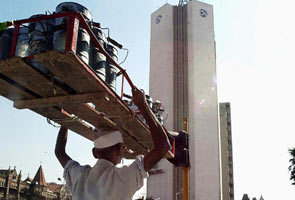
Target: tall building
[
  {"x": 183, "y": 78},
  {"x": 226, "y": 154}
]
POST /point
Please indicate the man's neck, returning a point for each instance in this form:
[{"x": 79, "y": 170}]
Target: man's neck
[{"x": 112, "y": 160}]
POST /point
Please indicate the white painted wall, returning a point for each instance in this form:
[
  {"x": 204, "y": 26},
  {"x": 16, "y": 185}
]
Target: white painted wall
[
  {"x": 161, "y": 88},
  {"x": 203, "y": 105},
  {"x": 161, "y": 59}
]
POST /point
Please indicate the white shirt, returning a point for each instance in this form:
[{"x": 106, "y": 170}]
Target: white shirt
[{"x": 104, "y": 181}]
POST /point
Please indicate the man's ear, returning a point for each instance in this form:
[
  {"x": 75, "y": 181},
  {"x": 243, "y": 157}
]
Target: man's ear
[
  {"x": 94, "y": 152},
  {"x": 120, "y": 149}
]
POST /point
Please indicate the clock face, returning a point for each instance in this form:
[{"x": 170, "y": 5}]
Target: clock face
[
  {"x": 203, "y": 13},
  {"x": 158, "y": 19}
]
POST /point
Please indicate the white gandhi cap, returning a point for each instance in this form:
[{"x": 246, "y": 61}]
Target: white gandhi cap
[{"x": 106, "y": 139}]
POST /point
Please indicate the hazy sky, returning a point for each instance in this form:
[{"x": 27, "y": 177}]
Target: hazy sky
[{"x": 255, "y": 60}]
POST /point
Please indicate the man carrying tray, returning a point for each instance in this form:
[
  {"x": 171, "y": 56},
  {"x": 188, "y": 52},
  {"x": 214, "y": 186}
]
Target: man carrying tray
[{"x": 106, "y": 181}]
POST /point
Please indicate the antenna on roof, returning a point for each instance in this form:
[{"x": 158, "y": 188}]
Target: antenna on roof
[{"x": 183, "y": 2}]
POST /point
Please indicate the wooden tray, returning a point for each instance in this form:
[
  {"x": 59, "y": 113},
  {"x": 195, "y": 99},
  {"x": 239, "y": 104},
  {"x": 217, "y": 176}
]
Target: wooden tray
[{"x": 68, "y": 104}]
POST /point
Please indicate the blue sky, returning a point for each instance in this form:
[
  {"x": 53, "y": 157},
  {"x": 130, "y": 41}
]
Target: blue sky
[{"x": 255, "y": 68}]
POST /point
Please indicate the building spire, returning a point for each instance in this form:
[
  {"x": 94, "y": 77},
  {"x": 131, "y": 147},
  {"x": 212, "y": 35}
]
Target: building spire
[
  {"x": 245, "y": 197},
  {"x": 39, "y": 177}
]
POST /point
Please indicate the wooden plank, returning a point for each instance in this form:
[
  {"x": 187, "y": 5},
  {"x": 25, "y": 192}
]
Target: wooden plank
[
  {"x": 20, "y": 72},
  {"x": 67, "y": 65},
  {"x": 136, "y": 130},
  {"x": 113, "y": 106},
  {"x": 17, "y": 70},
  {"x": 69, "y": 70},
  {"x": 106, "y": 122},
  {"x": 64, "y": 118},
  {"x": 89, "y": 114},
  {"x": 56, "y": 101},
  {"x": 25, "y": 75},
  {"x": 132, "y": 143},
  {"x": 33, "y": 80},
  {"x": 136, "y": 135},
  {"x": 13, "y": 93},
  {"x": 86, "y": 81}
]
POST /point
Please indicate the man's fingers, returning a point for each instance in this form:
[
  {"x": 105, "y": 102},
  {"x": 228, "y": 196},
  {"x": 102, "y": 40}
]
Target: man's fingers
[{"x": 134, "y": 89}]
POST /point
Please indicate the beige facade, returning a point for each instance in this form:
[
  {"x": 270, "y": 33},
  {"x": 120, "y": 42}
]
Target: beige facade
[
  {"x": 183, "y": 78},
  {"x": 12, "y": 187},
  {"x": 226, "y": 152},
  {"x": 161, "y": 88}
]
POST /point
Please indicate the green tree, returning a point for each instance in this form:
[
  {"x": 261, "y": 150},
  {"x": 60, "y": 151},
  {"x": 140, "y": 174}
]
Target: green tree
[{"x": 292, "y": 165}]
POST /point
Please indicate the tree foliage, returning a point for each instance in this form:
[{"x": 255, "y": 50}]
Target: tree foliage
[{"x": 292, "y": 165}]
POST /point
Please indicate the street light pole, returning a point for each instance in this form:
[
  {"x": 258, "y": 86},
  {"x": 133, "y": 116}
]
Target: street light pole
[{"x": 185, "y": 170}]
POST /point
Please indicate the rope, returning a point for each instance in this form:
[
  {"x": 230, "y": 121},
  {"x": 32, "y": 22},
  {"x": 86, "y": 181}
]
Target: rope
[
  {"x": 108, "y": 33},
  {"x": 125, "y": 56},
  {"x": 65, "y": 120},
  {"x": 166, "y": 116},
  {"x": 118, "y": 116},
  {"x": 52, "y": 124}
]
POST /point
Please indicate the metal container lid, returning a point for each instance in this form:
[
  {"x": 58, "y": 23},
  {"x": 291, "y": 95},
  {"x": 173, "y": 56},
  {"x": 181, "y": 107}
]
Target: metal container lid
[
  {"x": 112, "y": 50},
  {"x": 47, "y": 21},
  {"x": 99, "y": 34},
  {"x": 5, "y": 42},
  {"x": 72, "y": 6},
  {"x": 8, "y": 32}
]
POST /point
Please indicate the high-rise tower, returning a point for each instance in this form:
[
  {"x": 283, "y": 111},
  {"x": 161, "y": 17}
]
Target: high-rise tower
[
  {"x": 183, "y": 78},
  {"x": 226, "y": 153}
]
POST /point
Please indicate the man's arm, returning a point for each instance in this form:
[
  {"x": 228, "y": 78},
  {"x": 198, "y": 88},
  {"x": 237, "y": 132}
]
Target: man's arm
[
  {"x": 60, "y": 147},
  {"x": 159, "y": 137}
]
